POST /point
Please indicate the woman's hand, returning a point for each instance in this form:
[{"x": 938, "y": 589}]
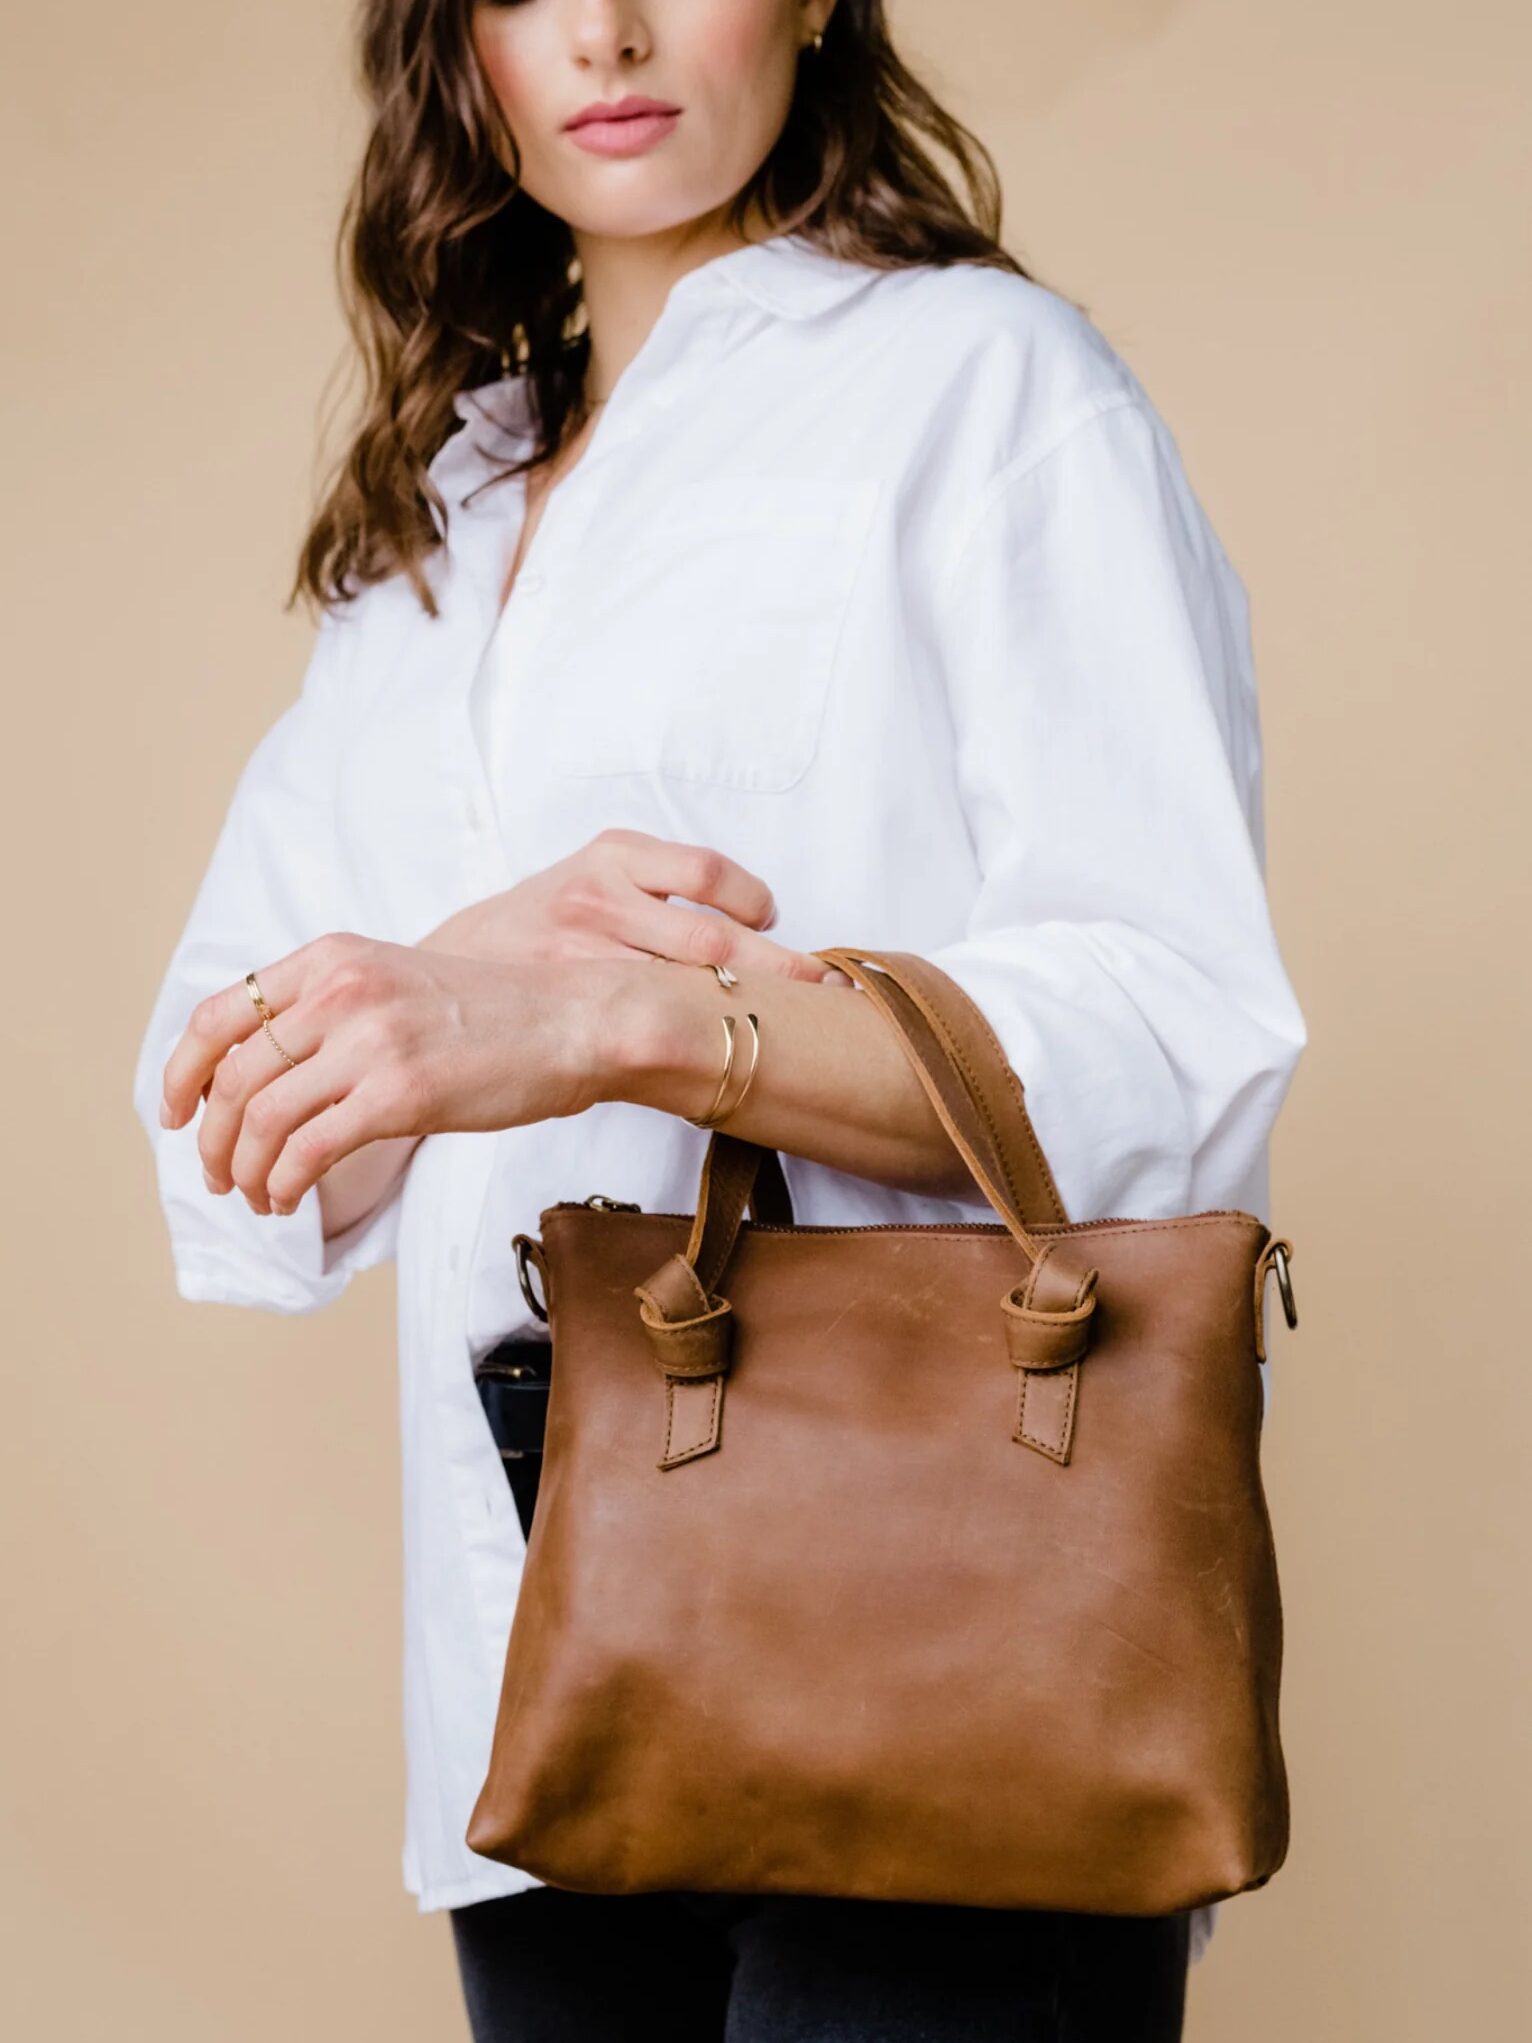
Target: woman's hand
[
  {"x": 389, "y": 1040},
  {"x": 608, "y": 900}
]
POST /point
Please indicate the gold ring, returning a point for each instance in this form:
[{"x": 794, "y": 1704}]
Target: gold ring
[
  {"x": 292, "y": 1062},
  {"x": 257, "y": 996}
]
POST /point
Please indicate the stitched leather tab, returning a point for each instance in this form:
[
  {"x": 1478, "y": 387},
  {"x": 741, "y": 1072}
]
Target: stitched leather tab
[
  {"x": 692, "y": 1335},
  {"x": 1048, "y": 1325},
  {"x": 693, "y": 1410}
]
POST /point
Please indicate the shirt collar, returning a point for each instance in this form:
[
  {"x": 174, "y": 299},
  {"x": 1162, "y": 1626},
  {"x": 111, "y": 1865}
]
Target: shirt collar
[{"x": 787, "y": 275}]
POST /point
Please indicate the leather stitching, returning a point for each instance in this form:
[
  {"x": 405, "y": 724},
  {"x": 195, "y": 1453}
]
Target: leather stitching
[
  {"x": 670, "y": 1459},
  {"x": 981, "y": 1021},
  {"x": 1059, "y": 1452},
  {"x": 975, "y": 1088},
  {"x": 976, "y": 1098},
  {"x": 955, "y": 1051}
]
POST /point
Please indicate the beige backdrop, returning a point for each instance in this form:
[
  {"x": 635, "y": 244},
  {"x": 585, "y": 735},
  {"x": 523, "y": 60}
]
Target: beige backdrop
[{"x": 1303, "y": 221}]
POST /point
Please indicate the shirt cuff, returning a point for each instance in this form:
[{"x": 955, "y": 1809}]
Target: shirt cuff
[{"x": 225, "y": 1253}]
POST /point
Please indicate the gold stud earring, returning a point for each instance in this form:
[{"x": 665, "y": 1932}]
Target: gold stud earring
[{"x": 819, "y": 40}]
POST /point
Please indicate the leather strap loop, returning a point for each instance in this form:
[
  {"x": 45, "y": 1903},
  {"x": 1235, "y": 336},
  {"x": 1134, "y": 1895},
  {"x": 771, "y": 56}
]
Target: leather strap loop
[
  {"x": 1049, "y": 1321},
  {"x": 1046, "y": 1340},
  {"x": 1049, "y": 1317},
  {"x": 699, "y": 1344},
  {"x": 691, "y": 1331},
  {"x": 692, "y": 1347}
]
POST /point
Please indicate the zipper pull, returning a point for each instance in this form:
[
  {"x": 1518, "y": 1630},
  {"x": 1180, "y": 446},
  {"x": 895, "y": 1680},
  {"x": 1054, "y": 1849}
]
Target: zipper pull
[{"x": 605, "y": 1205}]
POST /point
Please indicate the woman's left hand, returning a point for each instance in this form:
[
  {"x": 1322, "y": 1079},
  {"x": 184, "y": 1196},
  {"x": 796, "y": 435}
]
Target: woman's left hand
[{"x": 389, "y": 1040}]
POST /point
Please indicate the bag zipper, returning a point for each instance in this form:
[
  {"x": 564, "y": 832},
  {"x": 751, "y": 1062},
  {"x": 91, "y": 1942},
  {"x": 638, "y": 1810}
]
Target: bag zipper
[{"x": 599, "y": 1202}]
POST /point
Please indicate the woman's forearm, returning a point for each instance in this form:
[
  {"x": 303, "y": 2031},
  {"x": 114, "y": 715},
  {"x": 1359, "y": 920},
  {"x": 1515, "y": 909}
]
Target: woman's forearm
[{"x": 832, "y": 1083}]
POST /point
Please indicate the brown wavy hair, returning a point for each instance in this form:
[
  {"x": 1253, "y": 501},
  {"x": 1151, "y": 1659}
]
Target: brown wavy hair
[{"x": 450, "y": 273}]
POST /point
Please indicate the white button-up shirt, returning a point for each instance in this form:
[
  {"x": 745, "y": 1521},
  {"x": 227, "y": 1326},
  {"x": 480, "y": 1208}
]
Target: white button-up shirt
[{"x": 893, "y": 587}]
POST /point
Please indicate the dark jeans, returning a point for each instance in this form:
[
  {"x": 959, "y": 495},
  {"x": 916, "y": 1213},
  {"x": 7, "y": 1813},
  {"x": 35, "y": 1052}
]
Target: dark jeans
[{"x": 552, "y": 1966}]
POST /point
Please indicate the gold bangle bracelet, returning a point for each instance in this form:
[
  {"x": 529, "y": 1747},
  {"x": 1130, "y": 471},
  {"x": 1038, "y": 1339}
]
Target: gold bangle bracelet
[
  {"x": 706, "y": 1120},
  {"x": 717, "y": 1111},
  {"x": 737, "y": 1102}
]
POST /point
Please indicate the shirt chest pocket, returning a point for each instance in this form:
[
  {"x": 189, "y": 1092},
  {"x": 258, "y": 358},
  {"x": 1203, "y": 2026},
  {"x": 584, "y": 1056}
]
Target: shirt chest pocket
[{"x": 703, "y": 648}]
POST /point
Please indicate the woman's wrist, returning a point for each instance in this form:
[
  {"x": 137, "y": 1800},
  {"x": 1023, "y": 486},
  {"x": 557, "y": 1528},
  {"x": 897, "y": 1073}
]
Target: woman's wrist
[
  {"x": 653, "y": 1035},
  {"x": 639, "y": 1029},
  {"x": 835, "y": 1085}
]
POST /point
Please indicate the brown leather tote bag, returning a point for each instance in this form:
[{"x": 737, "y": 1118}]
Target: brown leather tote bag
[{"x": 924, "y": 1562}]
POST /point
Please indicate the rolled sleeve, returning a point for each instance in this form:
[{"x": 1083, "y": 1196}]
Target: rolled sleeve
[
  {"x": 224, "y": 1253},
  {"x": 1096, "y": 648},
  {"x": 278, "y": 877}
]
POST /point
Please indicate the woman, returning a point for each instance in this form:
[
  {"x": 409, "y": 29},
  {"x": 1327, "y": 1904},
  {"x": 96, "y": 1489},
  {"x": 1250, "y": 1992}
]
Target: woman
[{"x": 801, "y": 572}]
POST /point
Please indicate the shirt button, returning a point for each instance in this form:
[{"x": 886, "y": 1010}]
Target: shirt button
[
  {"x": 472, "y": 817},
  {"x": 531, "y": 582},
  {"x": 453, "y": 1259}
]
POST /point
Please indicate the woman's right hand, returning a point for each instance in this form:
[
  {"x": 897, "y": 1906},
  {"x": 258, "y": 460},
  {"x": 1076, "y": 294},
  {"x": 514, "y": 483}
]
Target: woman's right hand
[{"x": 609, "y": 900}]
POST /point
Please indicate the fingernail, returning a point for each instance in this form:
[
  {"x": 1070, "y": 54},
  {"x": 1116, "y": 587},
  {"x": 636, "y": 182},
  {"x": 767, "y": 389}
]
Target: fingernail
[
  {"x": 210, "y": 1181},
  {"x": 836, "y": 977},
  {"x": 167, "y": 1117}
]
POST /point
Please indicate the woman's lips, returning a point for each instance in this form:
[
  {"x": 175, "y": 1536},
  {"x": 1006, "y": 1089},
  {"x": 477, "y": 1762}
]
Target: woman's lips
[{"x": 628, "y": 136}]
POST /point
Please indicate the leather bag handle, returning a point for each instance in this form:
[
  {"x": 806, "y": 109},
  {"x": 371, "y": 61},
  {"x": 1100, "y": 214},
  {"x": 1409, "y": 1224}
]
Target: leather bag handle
[
  {"x": 979, "y": 1099},
  {"x": 967, "y": 1078}
]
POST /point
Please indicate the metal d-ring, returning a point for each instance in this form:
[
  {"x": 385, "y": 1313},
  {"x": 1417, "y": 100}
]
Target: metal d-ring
[
  {"x": 524, "y": 1278},
  {"x": 1284, "y": 1281}
]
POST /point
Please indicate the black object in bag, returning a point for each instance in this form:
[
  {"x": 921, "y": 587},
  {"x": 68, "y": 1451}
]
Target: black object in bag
[{"x": 513, "y": 1381}]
